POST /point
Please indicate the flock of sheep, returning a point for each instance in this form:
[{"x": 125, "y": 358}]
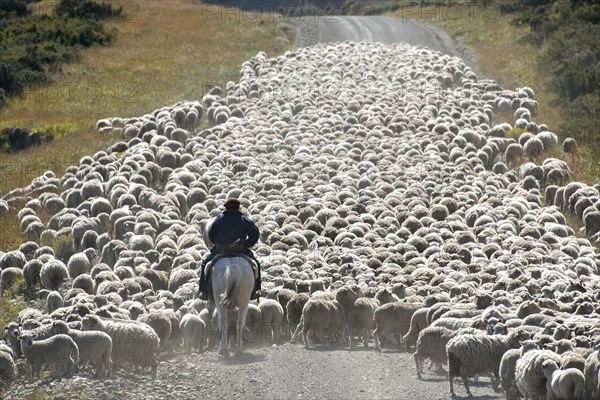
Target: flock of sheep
[{"x": 391, "y": 207}]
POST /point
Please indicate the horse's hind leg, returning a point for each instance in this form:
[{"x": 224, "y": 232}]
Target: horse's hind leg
[
  {"x": 222, "y": 316},
  {"x": 240, "y": 324}
]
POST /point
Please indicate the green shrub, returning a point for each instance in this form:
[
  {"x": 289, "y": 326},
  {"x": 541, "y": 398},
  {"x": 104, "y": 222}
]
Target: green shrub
[{"x": 86, "y": 9}]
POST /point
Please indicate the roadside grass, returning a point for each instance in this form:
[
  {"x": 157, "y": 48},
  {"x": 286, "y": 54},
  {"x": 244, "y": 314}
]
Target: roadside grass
[
  {"x": 165, "y": 51},
  {"x": 504, "y": 54}
]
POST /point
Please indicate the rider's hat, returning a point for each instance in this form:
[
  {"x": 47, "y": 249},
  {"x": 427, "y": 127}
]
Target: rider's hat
[{"x": 232, "y": 204}]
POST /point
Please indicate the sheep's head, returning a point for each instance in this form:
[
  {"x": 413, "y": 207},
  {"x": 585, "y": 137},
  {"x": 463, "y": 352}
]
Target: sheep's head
[
  {"x": 26, "y": 339},
  {"x": 549, "y": 367},
  {"x": 59, "y": 327},
  {"x": 13, "y": 330}
]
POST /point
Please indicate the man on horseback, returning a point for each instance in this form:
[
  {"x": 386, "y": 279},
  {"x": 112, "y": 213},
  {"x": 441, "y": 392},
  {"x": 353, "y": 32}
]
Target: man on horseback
[{"x": 231, "y": 227}]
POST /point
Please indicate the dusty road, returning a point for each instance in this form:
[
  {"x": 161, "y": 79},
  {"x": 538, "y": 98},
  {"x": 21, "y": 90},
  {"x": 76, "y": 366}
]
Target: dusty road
[
  {"x": 388, "y": 30},
  {"x": 271, "y": 372}
]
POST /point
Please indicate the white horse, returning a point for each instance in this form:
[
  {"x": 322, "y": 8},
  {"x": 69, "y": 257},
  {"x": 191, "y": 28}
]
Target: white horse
[{"x": 232, "y": 281}]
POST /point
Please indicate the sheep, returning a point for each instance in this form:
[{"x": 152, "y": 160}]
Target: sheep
[
  {"x": 294, "y": 309},
  {"x": 9, "y": 277},
  {"x": 392, "y": 321},
  {"x": 271, "y": 313},
  {"x": 12, "y": 332},
  {"x": 94, "y": 346},
  {"x": 58, "y": 349},
  {"x": 431, "y": 343},
  {"x": 563, "y": 384},
  {"x": 529, "y": 373},
  {"x": 471, "y": 354},
  {"x": 324, "y": 318},
  {"x": 418, "y": 322},
  {"x": 508, "y": 365},
  {"x": 360, "y": 319},
  {"x": 591, "y": 373},
  {"x": 54, "y": 301},
  {"x": 141, "y": 352},
  {"x": 193, "y": 329},
  {"x": 161, "y": 324},
  {"x": 7, "y": 367},
  {"x": 53, "y": 274}
]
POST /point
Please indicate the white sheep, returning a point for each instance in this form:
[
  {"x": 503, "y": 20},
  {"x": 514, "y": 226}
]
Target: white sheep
[
  {"x": 58, "y": 349},
  {"x": 470, "y": 355},
  {"x": 567, "y": 384},
  {"x": 7, "y": 367},
  {"x": 193, "y": 329},
  {"x": 360, "y": 319},
  {"x": 431, "y": 344},
  {"x": 592, "y": 374},
  {"x": 54, "y": 301},
  {"x": 324, "y": 318},
  {"x": 94, "y": 346},
  {"x": 392, "y": 321},
  {"x": 271, "y": 314},
  {"x": 529, "y": 373},
  {"x": 53, "y": 274},
  {"x": 133, "y": 342}
]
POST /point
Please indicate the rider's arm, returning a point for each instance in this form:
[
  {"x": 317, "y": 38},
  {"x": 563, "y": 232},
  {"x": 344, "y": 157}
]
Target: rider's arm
[
  {"x": 252, "y": 232},
  {"x": 212, "y": 231}
]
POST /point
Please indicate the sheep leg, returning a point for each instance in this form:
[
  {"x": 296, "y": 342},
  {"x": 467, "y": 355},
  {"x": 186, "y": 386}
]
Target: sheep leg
[
  {"x": 464, "y": 379},
  {"x": 108, "y": 363},
  {"x": 365, "y": 337},
  {"x": 451, "y": 380},
  {"x": 417, "y": 364}
]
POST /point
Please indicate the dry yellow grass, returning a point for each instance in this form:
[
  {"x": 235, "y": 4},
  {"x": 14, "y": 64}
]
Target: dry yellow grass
[
  {"x": 504, "y": 54},
  {"x": 165, "y": 51}
]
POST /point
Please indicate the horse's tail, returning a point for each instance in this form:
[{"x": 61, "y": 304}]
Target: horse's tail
[{"x": 229, "y": 298}]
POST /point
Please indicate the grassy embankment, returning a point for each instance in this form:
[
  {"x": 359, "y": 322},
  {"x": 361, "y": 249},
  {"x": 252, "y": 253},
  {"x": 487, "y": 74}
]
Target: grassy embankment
[
  {"x": 506, "y": 54},
  {"x": 164, "y": 51}
]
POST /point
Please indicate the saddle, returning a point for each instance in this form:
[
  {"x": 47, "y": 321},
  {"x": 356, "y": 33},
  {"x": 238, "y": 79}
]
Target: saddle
[{"x": 230, "y": 250}]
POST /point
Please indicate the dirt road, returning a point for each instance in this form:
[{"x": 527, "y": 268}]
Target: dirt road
[{"x": 388, "y": 30}]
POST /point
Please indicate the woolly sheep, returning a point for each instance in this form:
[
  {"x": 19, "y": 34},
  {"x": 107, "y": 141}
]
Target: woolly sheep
[
  {"x": 469, "y": 355},
  {"x": 58, "y": 349},
  {"x": 7, "y": 367},
  {"x": 360, "y": 319},
  {"x": 563, "y": 384},
  {"x": 193, "y": 329},
  {"x": 294, "y": 310},
  {"x": 53, "y": 274},
  {"x": 94, "y": 346},
  {"x": 324, "y": 318},
  {"x": 431, "y": 343},
  {"x": 161, "y": 324},
  {"x": 54, "y": 301},
  {"x": 591, "y": 373},
  {"x": 529, "y": 373},
  {"x": 392, "y": 321},
  {"x": 271, "y": 313},
  {"x": 141, "y": 352}
]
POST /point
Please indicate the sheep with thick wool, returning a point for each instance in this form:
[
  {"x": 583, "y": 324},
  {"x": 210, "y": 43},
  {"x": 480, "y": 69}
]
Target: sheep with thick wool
[
  {"x": 94, "y": 346},
  {"x": 59, "y": 349},
  {"x": 431, "y": 344},
  {"x": 567, "y": 384},
  {"x": 271, "y": 314},
  {"x": 529, "y": 373},
  {"x": 322, "y": 317},
  {"x": 360, "y": 319},
  {"x": 474, "y": 354},
  {"x": 392, "y": 321},
  {"x": 192, "y": 329},
  {"x": 592, "y": 374},
  {"x": 133, "y": 342}
]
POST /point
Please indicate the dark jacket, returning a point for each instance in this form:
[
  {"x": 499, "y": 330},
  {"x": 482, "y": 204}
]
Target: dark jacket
[{"x": 232, "y": 226}]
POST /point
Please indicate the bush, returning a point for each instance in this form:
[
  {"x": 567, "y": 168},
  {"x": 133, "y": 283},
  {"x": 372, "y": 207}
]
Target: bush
[
  {"x": 34, "y": 46},
  {"x": 86, "y": 9},
  {"x": 13, "y": 7}
]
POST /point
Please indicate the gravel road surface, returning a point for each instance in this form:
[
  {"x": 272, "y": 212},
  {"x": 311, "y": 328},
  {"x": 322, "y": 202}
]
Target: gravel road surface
[{"x": 388, "y": 30}]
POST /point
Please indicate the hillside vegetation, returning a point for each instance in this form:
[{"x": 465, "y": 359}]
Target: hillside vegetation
[
  {"x": 162, "y": 52},
  {"x": 551, "y": 46}
]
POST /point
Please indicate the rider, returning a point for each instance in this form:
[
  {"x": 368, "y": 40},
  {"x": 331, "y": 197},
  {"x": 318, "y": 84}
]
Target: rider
[{"x": 229, "y": 227}]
